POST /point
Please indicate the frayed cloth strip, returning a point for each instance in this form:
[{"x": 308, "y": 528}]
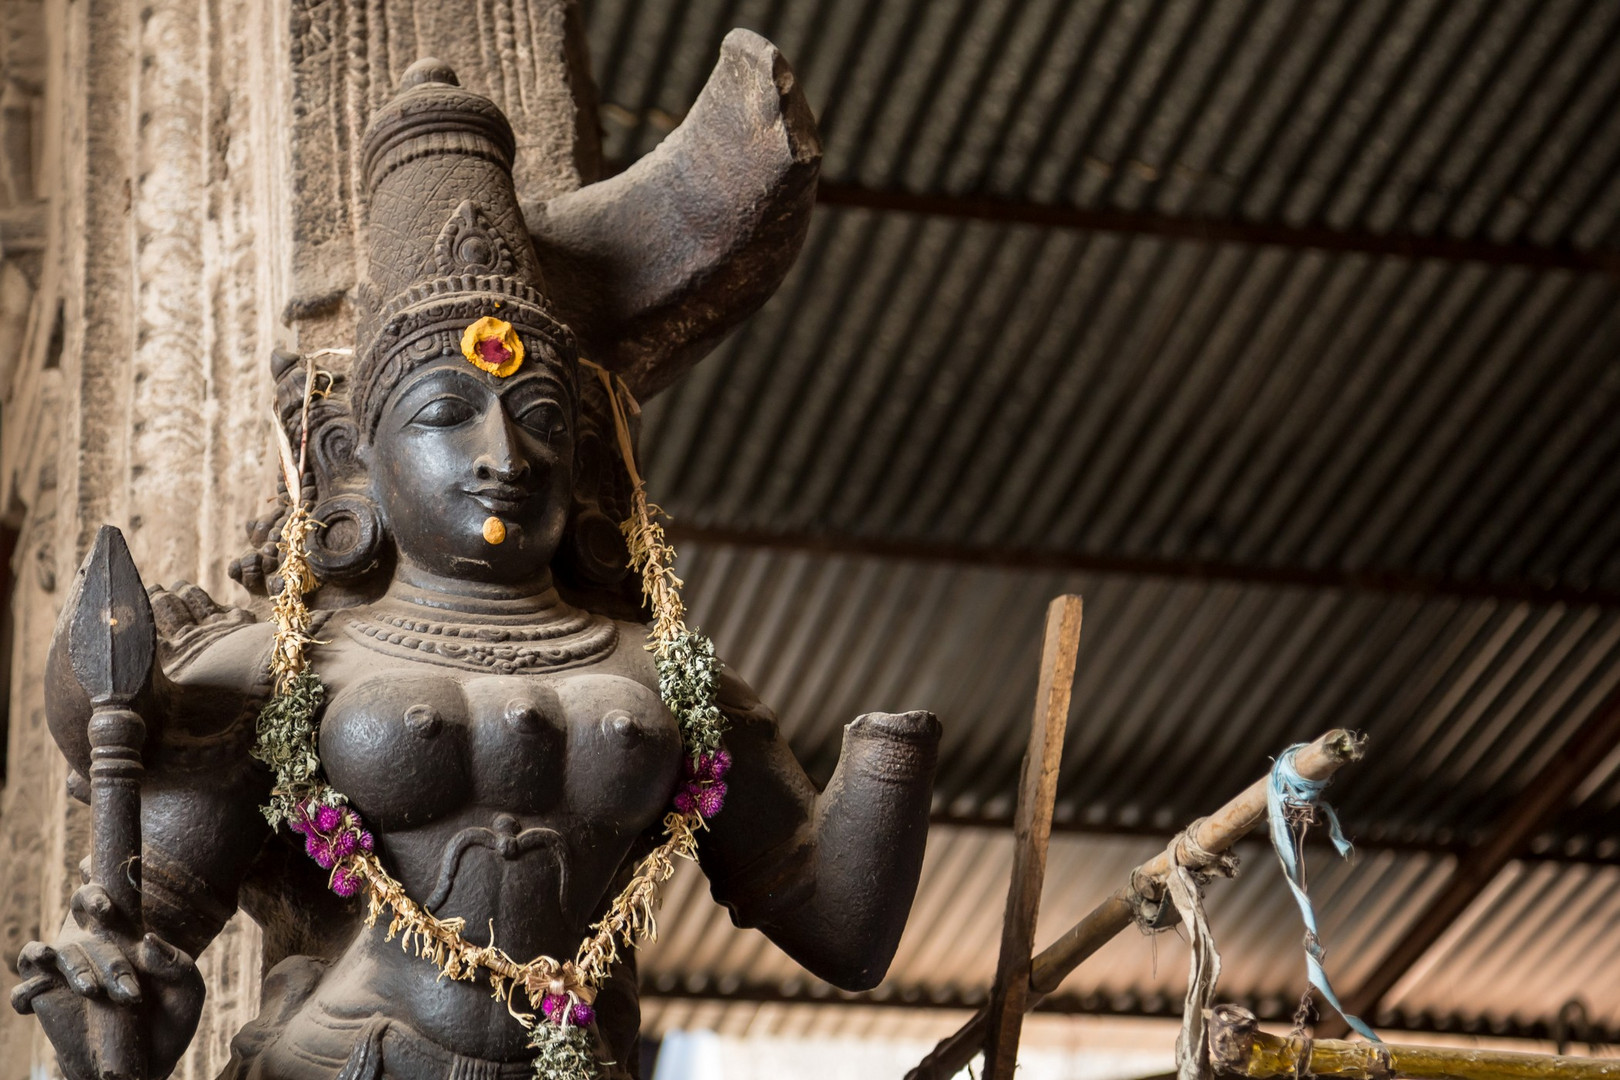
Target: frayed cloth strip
[{"x": 1293, "y": 802}]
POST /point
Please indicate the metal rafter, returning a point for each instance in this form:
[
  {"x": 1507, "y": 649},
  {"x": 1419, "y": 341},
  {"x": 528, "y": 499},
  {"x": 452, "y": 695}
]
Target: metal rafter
[
  {"x": 1222, "y": 230},
  {"x": 1546, "y": 794},
  {"x": 1120, "y": 1003},
  {"x": 1382, "y": 581}
]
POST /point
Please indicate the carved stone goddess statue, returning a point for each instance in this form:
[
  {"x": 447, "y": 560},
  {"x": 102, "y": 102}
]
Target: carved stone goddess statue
[{"x": 495, "y": 765}]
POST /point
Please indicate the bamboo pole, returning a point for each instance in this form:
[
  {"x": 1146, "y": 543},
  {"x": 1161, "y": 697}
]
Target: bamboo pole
[
  {"x": 1218, "y": 832},
  {"x": 1238, "y": 1047},
  {"x": 1032, "y": 830}
]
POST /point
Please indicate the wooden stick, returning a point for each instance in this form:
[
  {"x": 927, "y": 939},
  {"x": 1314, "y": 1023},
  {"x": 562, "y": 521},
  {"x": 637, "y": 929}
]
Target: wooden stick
[
  {"x": 1317, "y": 761},
  {"x": 1032, "y": 832},
  {"x": 1238, "y": 1047}
]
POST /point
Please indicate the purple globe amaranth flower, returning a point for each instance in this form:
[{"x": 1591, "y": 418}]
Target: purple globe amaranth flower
[
  {"x": 327, "y": 818},
  {"x": 685, "y": 801},
  {"x": 345, "y": 882},
  {"x": 720, "y": 764},
  {"x": 711, "y": 798},
  {"x": 345, "y": 843},
  {"x": 321, "y": 851},
  {"x": 553, "y": 1006},
  {"x": 583, "y": 1013},
  {"x": 367, "y": 841}
]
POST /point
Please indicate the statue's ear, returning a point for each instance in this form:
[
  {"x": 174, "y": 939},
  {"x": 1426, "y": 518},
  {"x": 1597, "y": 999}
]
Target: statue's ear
[{"x": 339, "y": 460}]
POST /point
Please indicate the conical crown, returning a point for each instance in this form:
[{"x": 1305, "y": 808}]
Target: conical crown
[{"x": 448, "y": 245}]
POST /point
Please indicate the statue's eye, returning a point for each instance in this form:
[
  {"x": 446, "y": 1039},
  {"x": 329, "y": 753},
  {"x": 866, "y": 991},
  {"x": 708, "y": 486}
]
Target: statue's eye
[
  {"x": 543, "y": 418},
  {"x": 444, "y": 412}
]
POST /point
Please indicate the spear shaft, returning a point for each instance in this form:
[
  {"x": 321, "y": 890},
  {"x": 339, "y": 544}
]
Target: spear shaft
[{"x": 111, "y": 643}]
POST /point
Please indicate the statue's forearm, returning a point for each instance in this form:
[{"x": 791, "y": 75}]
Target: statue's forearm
[
  {"x": 828, "y": 876},
  {"x": 870, "y": 828},
  {"x": 184, "y": 900}
]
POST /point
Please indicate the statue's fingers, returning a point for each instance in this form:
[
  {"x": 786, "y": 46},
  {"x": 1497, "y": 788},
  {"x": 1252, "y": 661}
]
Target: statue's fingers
[
  {"x": 24, "y": 993},
  {"x": 36, "y": 958},
  {"x": 175, "y": 990},
  {"x": 92, "y": 908},
  {"x": 114, "y": 971},
  {"x": 198, "y": 602},
  {"x": 169, "y": 612},
  {"x": 74, "y": 964},
  {"x": 246, "y": 570},
  {"x": 162, "y": 961}
]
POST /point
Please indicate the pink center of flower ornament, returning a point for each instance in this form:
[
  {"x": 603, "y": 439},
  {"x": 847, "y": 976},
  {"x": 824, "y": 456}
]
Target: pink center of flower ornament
[{"x": 493, "y": 351}]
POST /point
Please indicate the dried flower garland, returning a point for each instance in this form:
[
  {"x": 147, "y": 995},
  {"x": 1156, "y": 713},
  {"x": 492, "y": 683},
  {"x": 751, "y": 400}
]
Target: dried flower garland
[{"x": 559, "y": 993}]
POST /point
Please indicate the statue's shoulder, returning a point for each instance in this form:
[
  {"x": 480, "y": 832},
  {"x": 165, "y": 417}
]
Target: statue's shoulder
[
  {"x": 735, "y": 697},
  {"x": 631, "y": 657},
  {"x": 198, "y": 635}
]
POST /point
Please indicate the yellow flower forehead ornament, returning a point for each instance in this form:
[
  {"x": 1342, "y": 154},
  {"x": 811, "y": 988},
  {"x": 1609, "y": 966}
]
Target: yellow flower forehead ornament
[{"x": 492, "y": 345}]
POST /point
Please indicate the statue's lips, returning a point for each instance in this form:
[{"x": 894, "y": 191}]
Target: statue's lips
[{"x": 501, "y": 498}]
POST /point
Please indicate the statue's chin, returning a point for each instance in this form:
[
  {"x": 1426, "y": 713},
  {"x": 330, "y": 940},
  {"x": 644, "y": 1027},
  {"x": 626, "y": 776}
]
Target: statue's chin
[{"x": 517, "y": 562}]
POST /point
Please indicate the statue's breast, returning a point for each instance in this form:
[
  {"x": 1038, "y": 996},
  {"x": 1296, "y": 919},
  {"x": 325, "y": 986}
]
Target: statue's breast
[{"x": 410, "y": 748}]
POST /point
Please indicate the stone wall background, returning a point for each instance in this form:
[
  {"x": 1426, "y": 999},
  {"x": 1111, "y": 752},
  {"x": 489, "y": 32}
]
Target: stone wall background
[{"x": 178, "y": 196}]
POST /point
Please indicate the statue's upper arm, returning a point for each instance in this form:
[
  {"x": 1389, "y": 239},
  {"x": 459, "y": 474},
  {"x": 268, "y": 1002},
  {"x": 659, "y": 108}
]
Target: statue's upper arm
[{"x": 754, "y": 849}]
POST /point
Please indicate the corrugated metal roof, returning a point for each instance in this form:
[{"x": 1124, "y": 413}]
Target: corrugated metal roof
[
  {"x": 948, "y": 954},
  {"x": 1304, "y": 413},
  {"x": 998, "y": 385},
  {"x": 1183, "y": 689},
  {"x": 1493, "y": 120}
]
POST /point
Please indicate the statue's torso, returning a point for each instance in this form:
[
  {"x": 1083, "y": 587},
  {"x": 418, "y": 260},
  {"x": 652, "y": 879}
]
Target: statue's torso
[{"x": 506, "y": 771}]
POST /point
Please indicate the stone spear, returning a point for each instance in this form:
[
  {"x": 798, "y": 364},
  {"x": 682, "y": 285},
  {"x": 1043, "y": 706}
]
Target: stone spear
[{"x": 111, "y": 643}]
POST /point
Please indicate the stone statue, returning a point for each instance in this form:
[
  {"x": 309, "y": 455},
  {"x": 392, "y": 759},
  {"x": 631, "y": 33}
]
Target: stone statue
[{"x": 490, "y": 709}]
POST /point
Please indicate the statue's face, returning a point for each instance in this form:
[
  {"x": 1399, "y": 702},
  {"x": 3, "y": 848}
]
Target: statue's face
[{"x": 455, "y": 447}]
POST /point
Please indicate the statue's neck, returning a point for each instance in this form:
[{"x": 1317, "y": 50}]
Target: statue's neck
[{"x": 412, "y": 586}]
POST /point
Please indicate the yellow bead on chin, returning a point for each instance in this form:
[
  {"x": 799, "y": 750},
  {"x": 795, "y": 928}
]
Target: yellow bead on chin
[{"x": 494, "y": 530}]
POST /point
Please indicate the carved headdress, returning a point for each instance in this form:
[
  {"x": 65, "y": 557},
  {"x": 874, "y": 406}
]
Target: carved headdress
[
  {"x": 448, "y": 244},
  {"x": 644, "y": 273}
]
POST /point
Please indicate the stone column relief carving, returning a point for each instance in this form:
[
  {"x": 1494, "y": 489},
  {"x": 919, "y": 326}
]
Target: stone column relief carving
[{"x": 213, "y": 193}]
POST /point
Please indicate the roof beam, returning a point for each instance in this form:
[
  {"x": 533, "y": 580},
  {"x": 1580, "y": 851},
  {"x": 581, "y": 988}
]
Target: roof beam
[
  {"x": 1580, "y": 852},
  {"x": 1010, "y": 558},
  {"x": 1222, "y": 230},
  {"x": 1546, "y": 794},
  {"x": 1152, "y": 1005}
]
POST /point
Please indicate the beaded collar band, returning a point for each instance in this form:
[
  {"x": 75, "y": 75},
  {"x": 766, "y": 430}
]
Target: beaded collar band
[{"x": 556, "y": 995}]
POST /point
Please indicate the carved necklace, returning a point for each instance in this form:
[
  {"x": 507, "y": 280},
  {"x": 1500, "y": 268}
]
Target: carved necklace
[
  {"x": 503, "y": 647},
  {"x": 559, "y": 993}
]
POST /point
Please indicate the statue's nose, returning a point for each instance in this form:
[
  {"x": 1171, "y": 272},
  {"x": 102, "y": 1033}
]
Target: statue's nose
[
  {"x": 503, "y": 470},
  {"x": 500, "y": 461}
]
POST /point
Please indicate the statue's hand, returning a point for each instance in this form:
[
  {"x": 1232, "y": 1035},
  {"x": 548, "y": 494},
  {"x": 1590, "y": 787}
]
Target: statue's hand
[
  {"x": 187, "y": 619},
  {"x": 95, "y": 966},
  {"x": 253, "y": 568}
]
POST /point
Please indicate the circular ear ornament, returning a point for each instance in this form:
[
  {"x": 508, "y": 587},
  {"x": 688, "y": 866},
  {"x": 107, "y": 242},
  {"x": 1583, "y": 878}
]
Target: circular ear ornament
[
  {"x": 492, "y": 345},
  {"x": 350, "y": 539}
]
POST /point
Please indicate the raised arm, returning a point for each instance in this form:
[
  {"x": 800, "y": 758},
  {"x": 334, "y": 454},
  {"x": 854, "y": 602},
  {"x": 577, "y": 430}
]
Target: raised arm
[{"x": 827, "y": 875}]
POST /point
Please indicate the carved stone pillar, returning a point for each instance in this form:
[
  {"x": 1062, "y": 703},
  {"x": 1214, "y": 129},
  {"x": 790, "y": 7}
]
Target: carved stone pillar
[
  {"x": 133, "y": 385},
  {"x": 177, "y": 198}
]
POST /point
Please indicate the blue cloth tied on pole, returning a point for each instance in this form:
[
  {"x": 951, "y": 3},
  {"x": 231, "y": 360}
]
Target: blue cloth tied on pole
[{"x": 1288, "y": 790}]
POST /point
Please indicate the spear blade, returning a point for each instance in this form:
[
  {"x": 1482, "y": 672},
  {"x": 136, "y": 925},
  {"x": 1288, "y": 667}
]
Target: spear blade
[{"x": 112, "y": 637}]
